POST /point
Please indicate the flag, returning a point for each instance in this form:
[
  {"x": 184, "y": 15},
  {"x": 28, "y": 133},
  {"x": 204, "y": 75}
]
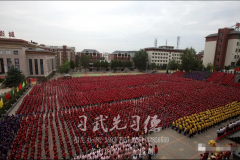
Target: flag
[
  {"x": 237, "y": 69},
  {"x": 45, "y": 75},
  {"x": 26, "y": 81},
  {"x": 23, "y": 85},
  {"x": 1, "y": 103},
  {"x": 214, "y": 70},
  {"x": 13, "y": 92},
  {"x": 20, "y": 86},
  {"x": 8, "y": 96},
  {"x": 17, "y": 89}
]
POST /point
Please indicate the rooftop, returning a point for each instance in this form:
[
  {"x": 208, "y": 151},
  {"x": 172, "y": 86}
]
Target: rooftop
[
  {"x": 89, "y": 51},
  {"x": 164, "y": 49}
]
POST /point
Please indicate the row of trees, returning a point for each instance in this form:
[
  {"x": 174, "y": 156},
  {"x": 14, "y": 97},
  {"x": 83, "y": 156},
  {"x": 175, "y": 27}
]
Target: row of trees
[{"x": 120, "y": 64}]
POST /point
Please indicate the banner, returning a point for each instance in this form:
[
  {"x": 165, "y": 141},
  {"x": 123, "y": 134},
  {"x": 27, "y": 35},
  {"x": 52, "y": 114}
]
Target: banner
[{"x": 33, "y": 81}]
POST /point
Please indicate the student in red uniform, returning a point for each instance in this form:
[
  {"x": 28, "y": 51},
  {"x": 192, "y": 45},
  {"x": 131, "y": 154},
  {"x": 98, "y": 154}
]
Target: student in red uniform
[{"x": 155, "y": 150}]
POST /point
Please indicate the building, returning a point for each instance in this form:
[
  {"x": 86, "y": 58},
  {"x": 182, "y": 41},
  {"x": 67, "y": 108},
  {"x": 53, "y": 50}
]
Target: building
[
  {"x": 32, "y": 59},
  {"x": 122, "y": 55},
  {"x": 163, "y": 54},
  {"x": 106, "y": 57},
  {"x": 200, "y": 56},
  {"x": 222, "y": 48},
  {"x": 63, "y": 53},
  {"x": 94, "y": 54}
]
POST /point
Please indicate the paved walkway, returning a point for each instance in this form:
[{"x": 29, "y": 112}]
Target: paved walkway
[
  {"x": 182, "y": 147},
  {"x": 5, "y": 90}
]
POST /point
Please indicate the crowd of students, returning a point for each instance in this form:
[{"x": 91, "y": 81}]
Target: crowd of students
[
  {"x": 53, "y": 110},
  {"x": 231, "y": 126},
  {"x": 128, "y": 148},
  {"x": 8, "y": 129},
  {"x": 200, "y": 122}
]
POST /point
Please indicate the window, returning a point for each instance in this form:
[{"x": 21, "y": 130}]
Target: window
[
  {"x": 221, "y": 34},
  {"x": 220, "y": 40},
  {"x": 237, "y": 43},
  {"x": 237, "y": 36},
  {"x": 217, "y": 59},
  {"x": 152, "y": 56},
  {"x": 218, "y": 53},
  {"x": 41, "y": 66},
  {"x": 16, "y": 60},
  {"x": 235, "y": 56},
  {"x": 236, "y": 49},
  {"x": 36, "y": 66},
  {"x": 8, "y": 52},
  {"x": 158, "y": 53},
  {"x": 219, "y": 46},
  {"x": 15, "y": 52},
  {"x": 9, "y": 63},
  {"x": 152, "y": 53},
  {"x": 232, "y": 63},
  {"x": 30, "y": 67}
]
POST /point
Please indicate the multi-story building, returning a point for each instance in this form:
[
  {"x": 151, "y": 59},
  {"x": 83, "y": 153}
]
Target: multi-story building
[
  {"x": 32, "y": 59},
  {"x": 92, "y": 53},
  {"x": 122, "y": 55},
  {"x": 63, "y": 53},
  {"x": 163, "y": 54},
  {"x": 200, "y": 56},
  {"x": 222, "y": 48}
]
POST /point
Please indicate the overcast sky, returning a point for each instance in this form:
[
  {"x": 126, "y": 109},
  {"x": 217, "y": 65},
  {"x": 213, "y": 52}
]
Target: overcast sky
[{"x": 109, "y": 26}]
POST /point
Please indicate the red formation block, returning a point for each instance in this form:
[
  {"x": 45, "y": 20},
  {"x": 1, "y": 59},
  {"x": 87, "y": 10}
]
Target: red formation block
[
  {"x": 226, "y": 79},
  {"x": 215, "y": 77}
]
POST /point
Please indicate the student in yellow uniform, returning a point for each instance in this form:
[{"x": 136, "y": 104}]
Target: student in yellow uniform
[
  {"x": 185, "y": 131},
  {"x": 190, "y": 133},
  {"x": 180, "y": 128},
  {"x": 173, "y": 125}
]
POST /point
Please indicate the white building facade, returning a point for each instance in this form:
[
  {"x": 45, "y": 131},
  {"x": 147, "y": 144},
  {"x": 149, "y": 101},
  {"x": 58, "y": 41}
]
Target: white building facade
[{"x": 163, "y": 55}]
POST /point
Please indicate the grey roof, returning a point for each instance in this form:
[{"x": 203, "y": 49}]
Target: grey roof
[
  {"x": 89, "y": 51},
  {"x": 234, "y": 32},
  {"x": 164, "y": 49},
  {"x": 212, "y": 35},
  {"x": 123, "y": 52},
  {"x": 166, "y": 46}
]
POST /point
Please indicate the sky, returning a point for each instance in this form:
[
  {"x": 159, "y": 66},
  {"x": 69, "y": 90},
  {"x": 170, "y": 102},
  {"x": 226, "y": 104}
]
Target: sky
[{"x": 117, "y": 25}]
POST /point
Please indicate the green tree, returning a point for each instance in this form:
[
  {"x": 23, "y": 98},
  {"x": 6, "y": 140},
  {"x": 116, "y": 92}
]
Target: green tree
[
  {"x": 140, "y": 59},
  {"x": 61, "y": 69},
  {"x": 200, "y": 66},
  {"x": 114, "y": 64},
  {"x": 97, "y": 64},
  {"x": 14, "y": 77},
  {"x": 153, "y": 65},
  {"x": 209, "y": 67},
  {"x": 66, "y": 67},
  {"x": 77, "y": 60},
  {"x": 217, "y": 68},
  {"x": 85, "y": 60},
  {"x": 129, "y": 64},
  {"x": 72, "y": 64},
  {"x": 189, "y": 61},
  {"x": 102, "y": 64},
  {"x": 173, "y": 65},
  {"x": 106, "y": 64}
]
